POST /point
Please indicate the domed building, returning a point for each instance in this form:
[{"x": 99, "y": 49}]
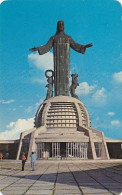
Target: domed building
[
  {"x": 63, "y": 131},
  {"x": 62, "y": 124},
  {"x": 62, "y": 128}
]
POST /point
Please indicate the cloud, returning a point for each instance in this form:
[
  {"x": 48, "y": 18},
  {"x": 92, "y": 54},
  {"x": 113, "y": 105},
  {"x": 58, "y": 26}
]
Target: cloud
[
  {"x": 119, "y": 1},
  {"x": 2, "y": 1},
  {"x": 100, "y": 95},
  {"x": 42, "y": 62},
  {"x": 115, "y": 122},
  {"x": 118, "y": 77},
  {"x": 84, "y": 89},
  {"x": 7, "y": 102},
  {"x": 15, "y": 128},
  {"x": 110, "y": 113}
]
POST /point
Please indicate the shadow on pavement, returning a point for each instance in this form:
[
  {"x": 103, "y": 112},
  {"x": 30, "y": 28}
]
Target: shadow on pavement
[{"x": 109, "y": 178}]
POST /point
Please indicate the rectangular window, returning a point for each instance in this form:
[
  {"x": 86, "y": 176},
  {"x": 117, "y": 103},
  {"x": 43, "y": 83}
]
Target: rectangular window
[{"x": 98, "y": 147}]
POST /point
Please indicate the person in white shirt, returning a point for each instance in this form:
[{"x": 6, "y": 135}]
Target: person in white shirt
[{"x": 33, "y": 159}]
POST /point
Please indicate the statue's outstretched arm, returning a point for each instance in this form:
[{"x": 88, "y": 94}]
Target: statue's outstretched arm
[
  {"x": 45, "y": 48},
  {"x": 79, "y": 48}
]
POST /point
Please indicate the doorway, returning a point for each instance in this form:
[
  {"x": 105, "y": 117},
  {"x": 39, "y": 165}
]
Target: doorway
[{"x": 63, "y": 150}]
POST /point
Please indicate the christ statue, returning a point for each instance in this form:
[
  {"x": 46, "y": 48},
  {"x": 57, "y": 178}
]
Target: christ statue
[{"x": 61, "y": 44}]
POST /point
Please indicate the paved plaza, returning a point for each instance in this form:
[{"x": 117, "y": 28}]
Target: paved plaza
[{"x": 61, "y": 178}]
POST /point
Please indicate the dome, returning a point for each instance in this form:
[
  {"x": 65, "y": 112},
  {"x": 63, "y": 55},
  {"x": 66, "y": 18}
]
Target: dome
[{"x": 62, "y": 112}]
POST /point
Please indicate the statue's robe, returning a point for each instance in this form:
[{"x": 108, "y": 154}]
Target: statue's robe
[{"x": 61, "y": 44}]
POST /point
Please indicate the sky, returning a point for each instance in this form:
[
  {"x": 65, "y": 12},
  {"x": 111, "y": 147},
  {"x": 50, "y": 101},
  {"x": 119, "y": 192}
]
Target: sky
[{"x": 27, "y": 23}]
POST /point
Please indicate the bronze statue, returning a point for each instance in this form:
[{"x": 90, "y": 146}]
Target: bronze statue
[
  {"x": 61, "y": 44},
  {"x": 50, "y": 84},
  {"x": 74, "y": 85}
]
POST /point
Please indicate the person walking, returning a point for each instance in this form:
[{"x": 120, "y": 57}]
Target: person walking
[
  {"x": 1, "y": 156},
  {"x": 33, "y": 159},
  {"x": 23, "y": 160}
]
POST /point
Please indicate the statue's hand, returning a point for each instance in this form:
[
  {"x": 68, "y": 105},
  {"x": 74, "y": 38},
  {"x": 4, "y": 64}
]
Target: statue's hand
[
  {"x": 88, "y": 45},
  {"x": 34, "y": 49}
]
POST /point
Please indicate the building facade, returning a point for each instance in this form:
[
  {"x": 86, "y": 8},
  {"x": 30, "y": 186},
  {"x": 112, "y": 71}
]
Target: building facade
[{"x": 63, "y": 130}]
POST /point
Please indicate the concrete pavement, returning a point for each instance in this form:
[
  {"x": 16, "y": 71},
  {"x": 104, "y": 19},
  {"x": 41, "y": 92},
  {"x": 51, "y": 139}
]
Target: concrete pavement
[{"x": 61, "y": 178}]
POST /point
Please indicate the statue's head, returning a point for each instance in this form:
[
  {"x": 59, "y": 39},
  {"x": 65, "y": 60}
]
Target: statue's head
[{"x": 60, "y": 26}]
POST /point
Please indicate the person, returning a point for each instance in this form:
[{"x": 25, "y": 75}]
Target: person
[
  {"x": 1, "y": 156},
  {"x": 61, "y": 43},
  {"x": 7, "y": 155},
  {"x": 23, "y": 160},
  {"x": 33, "y": 159}
]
